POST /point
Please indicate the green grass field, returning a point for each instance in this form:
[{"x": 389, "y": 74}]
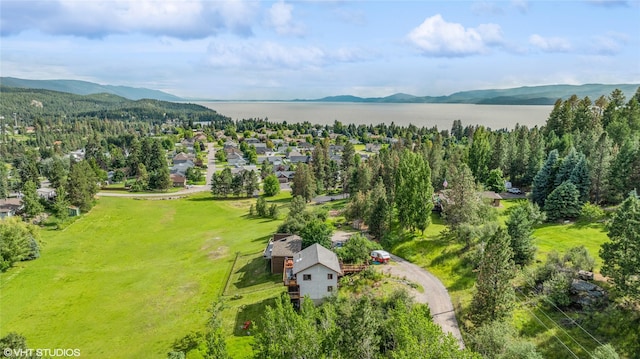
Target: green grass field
[{"x": 132, "y": 276}]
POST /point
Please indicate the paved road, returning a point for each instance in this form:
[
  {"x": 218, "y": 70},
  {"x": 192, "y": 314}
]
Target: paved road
[
  {"x": 211, "y": 169},
  {"x": 435, "y": 294}
]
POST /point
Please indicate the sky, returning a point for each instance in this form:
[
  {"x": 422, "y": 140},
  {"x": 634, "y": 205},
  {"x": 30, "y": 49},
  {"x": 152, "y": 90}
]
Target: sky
[{"x": 279, "y": 50}]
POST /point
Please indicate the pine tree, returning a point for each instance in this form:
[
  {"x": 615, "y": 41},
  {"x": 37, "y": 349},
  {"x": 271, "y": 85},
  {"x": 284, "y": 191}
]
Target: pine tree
[
  {"x": 4, "y": 181},
  {"x": 544, "y": 179},
  {"x": 378, "y": 216},
  {"x": 600, "y": 161},
  {"x": 494, "y": 296},
  {"x": 622, "y": 254},
  {"x": 31, "y": 200},
  {"x": 495, "y": 181},
  {"x": 520, "y": 228},
  {"x": 303, "y": 183},
  {"x": 581, "y": 178},
  {"x": 563, "y": 202}
]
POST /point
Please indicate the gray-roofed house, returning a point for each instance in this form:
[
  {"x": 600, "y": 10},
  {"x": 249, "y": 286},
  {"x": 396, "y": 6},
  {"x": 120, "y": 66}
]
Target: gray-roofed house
[
  {"x": 297, "y": 157},
  {"x": 236, "y": 160},
  {"x": 181, "y": 168},
  {"x": 313, "y": 272},
  {"x": 181, "y": 158},
  {"x": 283, "y": 245},
  {"x": 9, "y": 207}
]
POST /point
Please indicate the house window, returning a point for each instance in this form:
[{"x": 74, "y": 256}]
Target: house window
[
  {"x": 329, "y": 275},
  {"x": 330, "y": 288},
  {"x": 306, "y": 277}
]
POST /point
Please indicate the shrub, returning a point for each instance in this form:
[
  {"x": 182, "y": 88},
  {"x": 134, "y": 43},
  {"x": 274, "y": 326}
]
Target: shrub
[
  {"x": 591, "y": 213},
  {"x": 557, "y": 288}
]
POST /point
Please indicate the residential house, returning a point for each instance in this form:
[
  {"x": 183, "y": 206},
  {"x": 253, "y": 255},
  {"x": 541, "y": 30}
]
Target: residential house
[
  {"x": 182, "y": 158},
  {"x": 493, "y": 197},
  {"x": 281, "y": 246},
  {"x": 305, "y": 146},
  {"x": 373, "y": 147},
  {"x": 181, "y": 168},
  {"x": 251, "y": 141},
  {"x": 178, "y": 180},
  {"x": 232, "y": 150},
  {"x": 9, "y": 207},
  {"x": 236, "y": 160},
  {"x": 261, "y": 148},
  {"x": 46, "y": 193},
  {"x": 297, "y": 157},
  {"x": 285, "y": 176},
  {"x": 312, "y": 272},
  {"x": 230, "y": 144}
]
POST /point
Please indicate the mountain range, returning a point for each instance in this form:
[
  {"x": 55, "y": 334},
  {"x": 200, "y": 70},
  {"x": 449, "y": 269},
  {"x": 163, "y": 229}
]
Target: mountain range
[
  {"x": 528, "y": 95},
  {"x": 88, "y": 88}
]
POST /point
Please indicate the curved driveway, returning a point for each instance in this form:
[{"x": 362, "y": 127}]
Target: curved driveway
[{"x": 435, "y": 294}]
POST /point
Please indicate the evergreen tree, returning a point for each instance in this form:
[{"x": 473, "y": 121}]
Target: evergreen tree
[
  {"x": 499, "y": 151},
  {"x": 624, "y": 172},
  {"x": 600, "y": 161},
  {"x": 58, "y": 174},
  {"x": 250, "y": 182},
  {"x": 261, "y": 207},
  {"x": 567, "y": 164},
  {"x": 621, "y": 255},
  {"x": 462, "y": 203},
  {"x": 563, "y": 202},
  {"x": 303, "y": 183},
  {"x": 494, "y": 296},
  {"x": 221, "y": 183},
  {"x": 544, "y": 180},
  {"x": 83, "y": 185},
  {"x": 31, "y": 200},
  {"x": 346, "y": 165},
  {"x": 581, "y": 178},
  {"x": 520, "y": 228},
  {"x": 379, "y": 208},
  {"x": 237, "y": 184},
  {"x": 4, "y": 181}
]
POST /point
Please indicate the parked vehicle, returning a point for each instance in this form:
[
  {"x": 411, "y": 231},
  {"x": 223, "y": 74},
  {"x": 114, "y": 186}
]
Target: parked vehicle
[
  {"x": 514, "y": 190},
  {"x": 380, "y": 256}
]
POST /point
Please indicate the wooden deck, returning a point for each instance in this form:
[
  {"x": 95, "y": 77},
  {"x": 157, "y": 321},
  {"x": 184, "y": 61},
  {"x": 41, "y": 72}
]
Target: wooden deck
[{"x": 352, "y": 268}]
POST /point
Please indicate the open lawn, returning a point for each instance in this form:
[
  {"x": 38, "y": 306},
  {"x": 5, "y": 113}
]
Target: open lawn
[{"x": 132, "y": 276}]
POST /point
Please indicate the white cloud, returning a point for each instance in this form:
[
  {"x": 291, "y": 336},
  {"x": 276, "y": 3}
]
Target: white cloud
[
  {"x": 280, "y": 17},
  {"x": 175, "y": 18},
  {"x": 436, "y": 37},
  {"x": 521, "y": 5},
  {"x": 550, "y": 44},
  {"x": 610, "y": 43}
]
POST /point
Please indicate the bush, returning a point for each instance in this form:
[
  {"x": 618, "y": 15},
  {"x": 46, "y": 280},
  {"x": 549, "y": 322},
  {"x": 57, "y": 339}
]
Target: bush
[
  {"x": 273, "y": 211},
  {"x": 356, "y": 250},
  {"x": 591, "y": 213},
  {"x": 557, "y": 288},
  {"x": 579, "y": 258},
  {"x": 271, "y": 185}
]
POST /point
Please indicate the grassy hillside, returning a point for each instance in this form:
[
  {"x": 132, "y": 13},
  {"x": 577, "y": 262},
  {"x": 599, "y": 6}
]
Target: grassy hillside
[{"x": 132, "y": 276}]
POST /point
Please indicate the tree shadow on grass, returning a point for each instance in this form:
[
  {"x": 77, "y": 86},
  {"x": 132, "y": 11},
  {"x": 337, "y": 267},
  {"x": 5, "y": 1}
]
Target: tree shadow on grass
[
  {"x": 253, "y": 313},
  {"x": 253, "y": 273}
]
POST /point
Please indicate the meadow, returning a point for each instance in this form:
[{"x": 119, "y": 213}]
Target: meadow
[{"x": 133, "y": 276}]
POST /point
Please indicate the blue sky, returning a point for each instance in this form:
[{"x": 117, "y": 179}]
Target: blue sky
[{"x": 311, "y": 49}]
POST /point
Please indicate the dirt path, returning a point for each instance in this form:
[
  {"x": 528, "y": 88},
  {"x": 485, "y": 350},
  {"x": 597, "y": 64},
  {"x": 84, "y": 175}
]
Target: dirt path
[{"x": 435, "y": 294}]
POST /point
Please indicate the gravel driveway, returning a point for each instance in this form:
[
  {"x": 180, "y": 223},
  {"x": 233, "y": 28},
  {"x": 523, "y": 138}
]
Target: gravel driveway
[{"x": 435, "y": 294}]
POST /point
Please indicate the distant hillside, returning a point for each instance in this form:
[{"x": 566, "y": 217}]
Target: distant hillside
[
  {"x": 530, "y": 95},
  {"x": 89, "y": 88},
  {"x": 31, "y": 103}
]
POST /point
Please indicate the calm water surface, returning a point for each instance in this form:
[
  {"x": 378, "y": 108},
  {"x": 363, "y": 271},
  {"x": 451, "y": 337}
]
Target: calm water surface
[{"x": 427, "y": 115}]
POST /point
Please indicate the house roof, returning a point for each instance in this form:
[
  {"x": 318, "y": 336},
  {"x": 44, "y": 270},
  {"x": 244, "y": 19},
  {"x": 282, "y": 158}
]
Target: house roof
[
  {"x": 13, "y": 204},
  {"x": 315, "y": 254},
  {"x": 176, "y": 177},
  {"x": 491, "y": 195},
  {"x": 181, "y": 157},
  {"x": 287, "y": 246}
]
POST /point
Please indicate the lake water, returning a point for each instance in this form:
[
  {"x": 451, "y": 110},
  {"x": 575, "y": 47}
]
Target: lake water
[{"x": 403, "y": 114}]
